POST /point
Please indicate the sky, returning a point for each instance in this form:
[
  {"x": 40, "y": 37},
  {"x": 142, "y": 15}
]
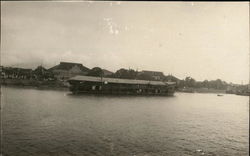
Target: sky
[{"x": 204, "y": 40}]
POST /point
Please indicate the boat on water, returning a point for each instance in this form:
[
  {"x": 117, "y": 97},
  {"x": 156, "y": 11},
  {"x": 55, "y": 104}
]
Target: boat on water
[
  {"x": 219, "y": 95},
  {"x": 114, "y": 86}
]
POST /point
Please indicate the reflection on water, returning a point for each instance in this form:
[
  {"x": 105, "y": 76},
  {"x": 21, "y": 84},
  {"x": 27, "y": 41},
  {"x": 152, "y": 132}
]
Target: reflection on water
[{"x": 43, "y": 122}]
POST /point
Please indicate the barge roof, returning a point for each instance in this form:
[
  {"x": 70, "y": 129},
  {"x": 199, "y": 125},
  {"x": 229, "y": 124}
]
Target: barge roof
[{"x": 116, "y": 80}]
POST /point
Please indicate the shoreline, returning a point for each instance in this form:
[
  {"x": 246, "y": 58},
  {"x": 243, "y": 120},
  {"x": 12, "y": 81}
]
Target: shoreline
[
  {"x": 36, "y": 87},
  {"x": 67, "y": 89},
  {"x": 63, "y": 86},
  {"x": 202, "y": 90},
  {"x": 46, "y": 87},
  {"x": 42, "y": 85}
]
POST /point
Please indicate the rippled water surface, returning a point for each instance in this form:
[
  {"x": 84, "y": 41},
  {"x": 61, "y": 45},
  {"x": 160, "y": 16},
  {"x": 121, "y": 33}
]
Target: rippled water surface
[{"x": 45, "y": 122}]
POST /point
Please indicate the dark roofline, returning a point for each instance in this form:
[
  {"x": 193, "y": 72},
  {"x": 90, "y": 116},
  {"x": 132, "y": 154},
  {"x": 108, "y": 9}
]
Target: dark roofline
[
  {"x": 152, "y": 71},
  {"x": 70, "y": 63},
  {"x": 121, "y": 81},
  {"x": 107, "y": 70}
]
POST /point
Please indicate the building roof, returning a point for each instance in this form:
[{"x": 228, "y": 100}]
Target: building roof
[
  {"x": 122, "y": 81},
  {"x": 153, "y": 73},
  {"x": 107, "y": 72},
  {"x": 171, "y": 77},
  {"x": 68, "y": 66}
]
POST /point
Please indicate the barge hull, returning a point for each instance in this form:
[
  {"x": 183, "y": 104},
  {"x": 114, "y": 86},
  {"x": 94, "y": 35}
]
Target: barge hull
[{"x": 96, "y": 85}]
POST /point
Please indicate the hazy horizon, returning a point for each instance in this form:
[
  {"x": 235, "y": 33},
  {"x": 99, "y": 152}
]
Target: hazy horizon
[{"x": 204, "y": 40}]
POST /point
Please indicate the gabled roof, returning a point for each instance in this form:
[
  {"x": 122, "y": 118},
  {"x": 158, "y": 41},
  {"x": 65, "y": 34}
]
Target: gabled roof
[
  {"x": 122, "y": 81},
  {"x": 68, "y": 66}
]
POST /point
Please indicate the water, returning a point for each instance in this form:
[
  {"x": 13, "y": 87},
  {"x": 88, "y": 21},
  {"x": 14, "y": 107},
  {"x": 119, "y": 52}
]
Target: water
[{"x": 45, "y": 122}]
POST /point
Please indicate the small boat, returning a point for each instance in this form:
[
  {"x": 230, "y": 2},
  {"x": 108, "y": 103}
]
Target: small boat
[{"x": 219, "y": 95}]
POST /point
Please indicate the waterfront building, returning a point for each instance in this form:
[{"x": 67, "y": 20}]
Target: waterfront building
[
  {"x": 66, "y": 70},
  {"x": 16, "y": 73}
]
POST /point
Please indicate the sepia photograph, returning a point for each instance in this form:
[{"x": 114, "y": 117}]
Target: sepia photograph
[{"x": 124, "y": 78}]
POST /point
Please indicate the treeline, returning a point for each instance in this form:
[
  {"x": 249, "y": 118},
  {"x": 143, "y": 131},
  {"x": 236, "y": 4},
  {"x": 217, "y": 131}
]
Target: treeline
[
  {"x": 188, "y": 82},
  {"x": 215, "y": 84}
]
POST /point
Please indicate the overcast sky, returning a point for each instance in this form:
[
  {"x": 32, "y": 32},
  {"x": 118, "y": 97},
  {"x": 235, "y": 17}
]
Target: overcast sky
[{"x": 202, "y": 40}]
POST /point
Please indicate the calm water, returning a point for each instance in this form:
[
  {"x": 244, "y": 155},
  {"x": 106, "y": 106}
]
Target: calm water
[{"x": 44, "y": 122}]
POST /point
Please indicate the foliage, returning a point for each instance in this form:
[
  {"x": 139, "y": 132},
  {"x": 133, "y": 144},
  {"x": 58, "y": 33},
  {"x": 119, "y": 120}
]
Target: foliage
[
  {"x": 125, "y": 74},
  {"x": 144, "y": 76},
  {"x": 96, "y": 71},
  {"x": 42, "y": 73},
  {"x": 191, "y": 82}
]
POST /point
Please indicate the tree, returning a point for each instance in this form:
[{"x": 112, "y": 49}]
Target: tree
[
  {"x": 190, "y": 82},
  {"x": 42, "y": 73},
  {"x": 144, "y": 76},
  {"x": 125, "y": 74},
  {"x": 205, "y": 84},
  {"x": 96, "y": 71}
]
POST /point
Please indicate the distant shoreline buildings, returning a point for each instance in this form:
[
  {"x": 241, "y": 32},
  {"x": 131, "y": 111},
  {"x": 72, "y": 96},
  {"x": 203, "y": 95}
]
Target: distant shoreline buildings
[{"x": 66, "y": 70}]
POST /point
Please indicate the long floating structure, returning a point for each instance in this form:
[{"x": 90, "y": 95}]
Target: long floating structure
[{"x": 103, "y": 85}]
